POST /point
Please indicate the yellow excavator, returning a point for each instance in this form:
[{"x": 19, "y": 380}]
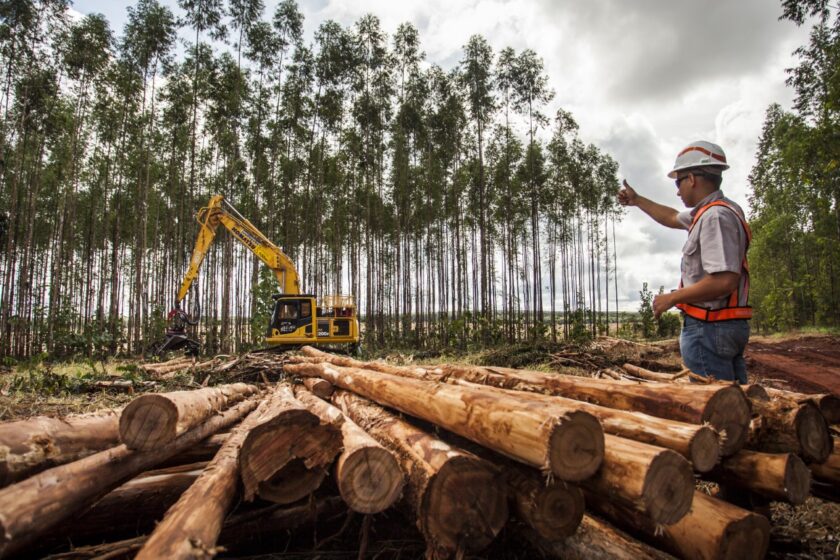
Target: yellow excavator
[{"x": 296, "y": 318}]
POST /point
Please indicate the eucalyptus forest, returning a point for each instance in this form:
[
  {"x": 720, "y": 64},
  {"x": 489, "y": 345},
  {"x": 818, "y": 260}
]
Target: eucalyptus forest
[{"x": 449, "y": 202}]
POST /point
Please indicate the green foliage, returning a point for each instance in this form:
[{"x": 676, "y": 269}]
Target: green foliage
[{"x": 646, "y": 311}]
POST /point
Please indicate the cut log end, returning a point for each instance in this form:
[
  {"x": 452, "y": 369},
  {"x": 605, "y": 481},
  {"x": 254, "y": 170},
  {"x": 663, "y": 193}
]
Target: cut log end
[
  {"x": 148, "y": 421},
  {"x": 704, "y": 449},
  {"x": 318, "y": 387},
  {"x": 555, "y": 511},
  {"x": 668, "y": 488},
  {"x": 830, "y": 408},
  {"x": 576, "y": 447},
  {"x": 370, "y": 479},
  {"x": 812, "y": 432},
  {"x": 797, "y": 480},
  {"x": 464, "y": 507},
  {"x": 291, "y": 484},
  {"x": 746, "y": 538},
  {"x": 729, "y": 412}
]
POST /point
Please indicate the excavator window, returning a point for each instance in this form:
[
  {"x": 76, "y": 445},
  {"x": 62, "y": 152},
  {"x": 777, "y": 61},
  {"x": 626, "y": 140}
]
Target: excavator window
[
  {"x": 288, "y": 310},
  {"x": 305, "y": 309}
]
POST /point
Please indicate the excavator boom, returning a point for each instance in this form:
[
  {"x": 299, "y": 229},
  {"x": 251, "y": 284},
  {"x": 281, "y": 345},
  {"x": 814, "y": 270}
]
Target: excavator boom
[{"x": 219, "y": 211}]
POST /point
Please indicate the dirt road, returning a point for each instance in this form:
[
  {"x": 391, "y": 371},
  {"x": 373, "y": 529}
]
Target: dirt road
[{"x": 809, "y": 364}]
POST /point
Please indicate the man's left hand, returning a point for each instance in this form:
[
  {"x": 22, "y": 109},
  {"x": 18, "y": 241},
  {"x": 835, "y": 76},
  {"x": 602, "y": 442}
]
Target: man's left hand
[{"x": 662, "y": 303}]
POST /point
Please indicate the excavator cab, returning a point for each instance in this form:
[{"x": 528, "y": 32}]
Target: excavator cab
[{"x": 302, "y": 319}]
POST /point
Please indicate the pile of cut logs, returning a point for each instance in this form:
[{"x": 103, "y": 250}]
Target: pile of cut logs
[{"x": 456, "y": 449}]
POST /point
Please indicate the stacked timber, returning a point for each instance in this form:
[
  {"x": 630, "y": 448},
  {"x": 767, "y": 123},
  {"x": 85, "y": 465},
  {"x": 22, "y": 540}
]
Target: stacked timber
[{"x": 453, "y": 448}]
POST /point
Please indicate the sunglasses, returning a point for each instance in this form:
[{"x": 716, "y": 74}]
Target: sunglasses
[{"x": 680, "y": 179}]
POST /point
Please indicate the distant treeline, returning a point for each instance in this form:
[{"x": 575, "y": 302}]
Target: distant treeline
[
  {"x": 446, "y": 201},
  {"x": 795, "y": 205}
]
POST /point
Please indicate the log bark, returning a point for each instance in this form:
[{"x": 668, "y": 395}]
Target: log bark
[
  {"x": 788, "y": 427},
  {"x": 596, "y": 540},
  {"x": 368, "y": 475},
  {"x": 191, "y": 527},
  {"x": 827, "y": 475},
  {"x": 654, "y": 481},
  {"x": 712, "y": 530},
  {"x": 557, "y": 439},
  {"x": 155, "y": 419},
  {"x": 699, "y": 444},
  {"x": 781, "y": 476},
  {"x": 553, "y": 509},
  {"x": 31, "y": 446},
  {"x": 724, "y": 407},
  {"x": 34, "y": 506},
  {"x": 643, "y": 373},
  {"x": 828, "y": 404},
  {"x": 456, "y": 498},
  {"x": 321, "y": 388},
  {"x": 286, "y": 456}
]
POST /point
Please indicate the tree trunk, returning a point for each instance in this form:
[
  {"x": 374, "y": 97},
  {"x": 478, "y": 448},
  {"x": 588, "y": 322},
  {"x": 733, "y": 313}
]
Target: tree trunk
[
  {"x": 31, "y": 446},
  {"x": 697, "y": 443},
  {"x": 285, "y": 457},
  {"x": 723, "y": 406},
  {"x": 368, "y": 475},
  {"x": 34, "y": 506},
  {"x": 648, "y": 374},
  {"x": 828, "y": 404},
  {"x": 318, "y": 387},
  {"x": 777, "y": 476},
  {"x": 453, "y": 495},
  {"x": 557, "y": 439},
  {"x": 152, "y": 420},
  {"x": 596, "y": 540},
  {"x": 656, "y": 482},
  {"x": 554, "y": 510},
  {"x": 789, "y": 427},
  {"x": 713, "y": 529}
]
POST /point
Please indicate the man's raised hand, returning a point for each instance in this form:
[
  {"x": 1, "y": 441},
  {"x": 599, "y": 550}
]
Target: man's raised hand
[{"x": 626, "y": 195}]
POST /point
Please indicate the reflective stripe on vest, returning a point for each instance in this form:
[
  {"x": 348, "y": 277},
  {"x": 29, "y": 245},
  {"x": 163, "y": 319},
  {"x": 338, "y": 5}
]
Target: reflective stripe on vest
[{"x": 732, "y": 309}]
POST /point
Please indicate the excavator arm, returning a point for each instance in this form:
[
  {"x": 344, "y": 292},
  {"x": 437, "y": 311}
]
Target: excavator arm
[{"x": 219, "y": 211}]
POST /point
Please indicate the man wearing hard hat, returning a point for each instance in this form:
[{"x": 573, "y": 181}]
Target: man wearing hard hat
[{"x": 715, "y": 278}]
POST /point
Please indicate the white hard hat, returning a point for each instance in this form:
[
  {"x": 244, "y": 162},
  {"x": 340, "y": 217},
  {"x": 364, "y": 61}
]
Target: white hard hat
[{"x": 700, "y": 154}]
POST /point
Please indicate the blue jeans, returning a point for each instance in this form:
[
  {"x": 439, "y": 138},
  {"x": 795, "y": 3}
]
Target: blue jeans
[{"x": 715, "y": 349}]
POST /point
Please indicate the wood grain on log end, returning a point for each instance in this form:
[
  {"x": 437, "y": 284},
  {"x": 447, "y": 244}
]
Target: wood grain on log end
[
  {"x": 745, "y": 539},
  {"x": 830, "y": 408},
  {"x": 369, "y": 479},
  {"x": 757, "y": 392},
  {"x": 668, "y": 488},
  {"x": 464, "y": 506},
  {"x": 319, "y": 387},
  {"x": 813, "y": 434},
  {"x": 148, "y": 421},
  {"x": 286, "y": 458},
  {"x": 292, "y": 483},
  {"x": 555, "y": 510},
  {"x": 728, "y": 411},
  {"x": 576, "y": 447},
  {"x": 797, "y": 480},
  {"x": 704, "y": 449}
]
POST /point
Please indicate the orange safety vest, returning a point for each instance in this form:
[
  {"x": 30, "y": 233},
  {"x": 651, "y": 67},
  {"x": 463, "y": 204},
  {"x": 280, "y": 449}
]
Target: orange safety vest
[{"x": 732, "y": 310}]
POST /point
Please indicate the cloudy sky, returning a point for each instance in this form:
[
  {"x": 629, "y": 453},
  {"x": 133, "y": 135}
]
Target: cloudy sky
[{"x": 643, "y": 78}]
